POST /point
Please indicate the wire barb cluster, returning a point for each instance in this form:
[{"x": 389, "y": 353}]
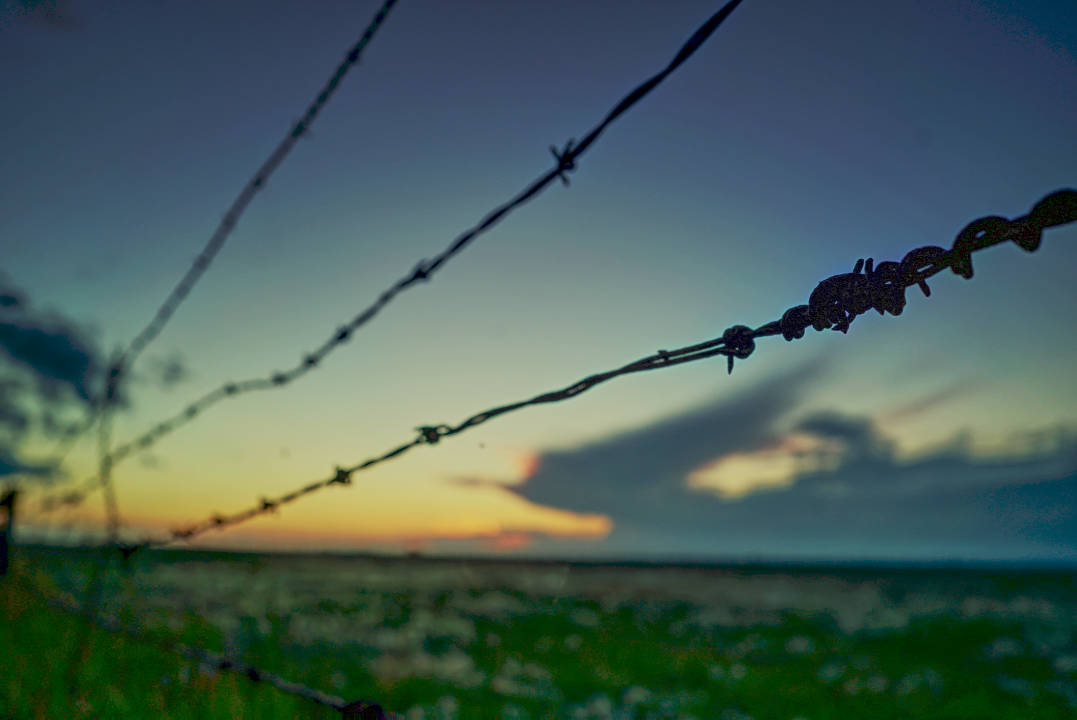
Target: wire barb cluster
[
  {"x": 833, "y": 305},
  {"x": 566, "y": 162}
]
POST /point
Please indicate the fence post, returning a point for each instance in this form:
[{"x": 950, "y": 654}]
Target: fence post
[
  {"x": 8, "y": 503},
  {"x": 360, "y": 710}
]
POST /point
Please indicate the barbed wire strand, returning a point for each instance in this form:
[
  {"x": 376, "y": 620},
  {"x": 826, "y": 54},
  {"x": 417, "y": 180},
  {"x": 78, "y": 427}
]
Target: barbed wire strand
[
  {"x": 566, "y": 161},
  {"x": 226, "y": 226},
  {"x": 833, "y": 305},
  {"x": 127, "y": 357},
  {"x": 217, "y": 661}
]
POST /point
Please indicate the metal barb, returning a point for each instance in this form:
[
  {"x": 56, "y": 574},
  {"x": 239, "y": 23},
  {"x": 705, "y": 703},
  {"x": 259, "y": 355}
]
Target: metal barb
[{"x": 566, "y": 160}]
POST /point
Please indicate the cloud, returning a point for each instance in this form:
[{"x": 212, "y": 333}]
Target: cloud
[
  {"x": 55, "y": 13},
  {"x": 53, "y": 348},
  {"x": 14, "y": 421},
  {"x": 631, "y": 475},
  {"x": 10, "y": 465},
  {"x": 862, "y": 502},
  {"x": 54, "y": 354},
  {"x": 48, "y": 365},
  {"x": 932, "y": 401}
]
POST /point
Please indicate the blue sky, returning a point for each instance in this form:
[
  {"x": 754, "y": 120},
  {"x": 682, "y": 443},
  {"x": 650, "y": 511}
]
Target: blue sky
[{"x": 800, "y": 138}]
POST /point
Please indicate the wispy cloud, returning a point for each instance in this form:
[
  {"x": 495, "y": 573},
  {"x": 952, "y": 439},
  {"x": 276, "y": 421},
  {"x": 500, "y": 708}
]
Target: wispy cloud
[{"x": 927, "y": 403}]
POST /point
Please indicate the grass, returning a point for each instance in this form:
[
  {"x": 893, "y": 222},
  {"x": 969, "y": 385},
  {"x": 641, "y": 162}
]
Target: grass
[{"x": 558, "y": 657}]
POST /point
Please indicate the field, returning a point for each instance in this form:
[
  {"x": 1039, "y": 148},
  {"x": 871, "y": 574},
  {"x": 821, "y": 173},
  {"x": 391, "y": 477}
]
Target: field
[{"x": 481, "y": 639}]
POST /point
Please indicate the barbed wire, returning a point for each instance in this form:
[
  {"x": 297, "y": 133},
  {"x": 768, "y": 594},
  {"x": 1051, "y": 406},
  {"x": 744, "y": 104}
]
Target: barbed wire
[
  {"x": 103, "y": 409},
  {"x": 224, "y": 229},
  {"x": 356, "y": 710},
  {"x": 566, "y": 161},
  {"x": 833, "y": 305}
]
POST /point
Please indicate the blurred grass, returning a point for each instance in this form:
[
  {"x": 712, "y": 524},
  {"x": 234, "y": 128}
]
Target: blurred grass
[
  {"x": 120, "y": 678},
  {"x": 563, "y": 658}
]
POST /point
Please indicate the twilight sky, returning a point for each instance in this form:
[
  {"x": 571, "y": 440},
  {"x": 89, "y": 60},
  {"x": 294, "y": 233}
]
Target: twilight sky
[{"x": 801, "y": 137}]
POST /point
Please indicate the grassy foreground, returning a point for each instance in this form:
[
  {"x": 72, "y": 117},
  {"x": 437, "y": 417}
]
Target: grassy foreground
[
  {"x": 42, "y": 678},
  {"x": 551, "y": 658}
]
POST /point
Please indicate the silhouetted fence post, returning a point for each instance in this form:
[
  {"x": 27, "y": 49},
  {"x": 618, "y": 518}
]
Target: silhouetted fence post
[
  {"x": 360, "y": 710},
  {"x": 8, "y": 503}
]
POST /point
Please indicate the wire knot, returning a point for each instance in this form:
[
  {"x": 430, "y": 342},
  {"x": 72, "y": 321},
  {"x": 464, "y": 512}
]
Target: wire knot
[
  {"x": 566, "y": 160},
  {"x": 887, "y": 288},
  {"x": 362, "y": 710},
  {"x": 978, "y": 234},
  {"x": 432, "y": 433},
  {"x": 795, "y": 321},
  {"x": 739, "y": 343},
  {"x": 836, "y": 301},
  {"x": 268, "y": 505},
  {"x": 342, "y": 477},
  {"x": 422, "y": 271},
  {"x": 919, "y": 264}
]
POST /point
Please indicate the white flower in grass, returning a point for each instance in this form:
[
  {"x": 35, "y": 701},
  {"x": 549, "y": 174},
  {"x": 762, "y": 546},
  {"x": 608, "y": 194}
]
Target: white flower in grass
[
  {"x": 1066, "y": 663},
  {"x": 636, "y": 695},
  {"x": 600, "y": 706},
  {"x": 448, "y": 707},
  {"x": 799, "y": 644}
]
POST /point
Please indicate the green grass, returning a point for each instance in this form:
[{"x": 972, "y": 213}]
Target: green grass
[{"x": 562, "y": 658}]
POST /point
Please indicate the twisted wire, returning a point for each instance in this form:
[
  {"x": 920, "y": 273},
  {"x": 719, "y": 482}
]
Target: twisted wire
[
  {"x": 565, "y": 162},
  {"x": 834, "y": 304}
]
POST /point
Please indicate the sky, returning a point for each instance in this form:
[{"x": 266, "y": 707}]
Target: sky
[{"x": 800, "y": 138}]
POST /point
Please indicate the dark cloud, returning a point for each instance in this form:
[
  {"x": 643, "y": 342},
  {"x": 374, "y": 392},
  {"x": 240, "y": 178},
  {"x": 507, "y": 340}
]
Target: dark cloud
[
  {"x": 10, "y": 465},
  {"x": 630, "y": 476},
  {"x": 48, "y": 367},
  {"x": 857, "y": 435},
  {"x": 867, "y": 502},
  {"x": 57, "y": 352},
  {"x": 56, "y": 13},
  {"x": 14, "y": 421}
]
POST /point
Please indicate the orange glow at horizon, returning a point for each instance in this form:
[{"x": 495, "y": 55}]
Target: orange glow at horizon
[
  {"x": 406, "y": 518},
  {"x": 529, "y": 463}
]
